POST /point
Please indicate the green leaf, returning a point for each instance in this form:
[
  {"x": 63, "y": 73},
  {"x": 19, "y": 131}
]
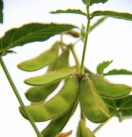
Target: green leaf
[
  {"x": 118, "y": 72},
  {"x": 58, "y": 105},
  {"x": 122, "y": 108},
  {"x": 98, "y": 22},
  {"x": 51, "y": 77},
  {"x": 100, "y": 68},
  {"x": 1, "y": 11},
  {"x": 114, "y": 14},
  {"x": 73, "y": 11},
  {"x": 97, "y": 1},
  {"x": 31, "y": 33},
  {"x": 93, "y": 1},
  {"x": 42, "y": 60}
]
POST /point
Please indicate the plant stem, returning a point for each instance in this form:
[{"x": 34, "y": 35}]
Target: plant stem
[
  {"x": 19, "y": 98},
  {"x": 101, "y": 125},
  {"x": 85, "y": 42},
  {"x": 75, "y": 57}
]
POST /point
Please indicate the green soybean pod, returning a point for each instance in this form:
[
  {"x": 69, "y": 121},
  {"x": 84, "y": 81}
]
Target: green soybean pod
[
  {"x": 56, "y": 125},
  {"x": 58, "y": 105},
  {"x": 41, "y": 60},
  {"x": 61, "y": 61},
  {"x": 91, "y": 103},
  {"x": 83, "y": 131},
  {"x": 51, "y": 77},
  {"x": 40, "y": 93},
  {"x": 107, "y": 89}
]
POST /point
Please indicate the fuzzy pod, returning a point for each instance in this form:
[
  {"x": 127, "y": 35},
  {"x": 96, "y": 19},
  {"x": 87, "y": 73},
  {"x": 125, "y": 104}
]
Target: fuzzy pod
[
  {"x": 108, "y": 89},
  {"x": 56, "y": 106},
  {"x": 83, "y": 131},
  {"x": 41, "y": 60},
  {"x": 56, "y": 125},
  {"x": 51, "y": 77},
  {"x": 92, "y": 104},
  {"x": 40, "y": 93}
]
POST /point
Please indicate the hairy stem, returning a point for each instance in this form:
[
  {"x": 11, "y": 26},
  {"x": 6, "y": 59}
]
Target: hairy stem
[
  {"x": 85, "y": 42},
  {"x": 18, "y": 97}
]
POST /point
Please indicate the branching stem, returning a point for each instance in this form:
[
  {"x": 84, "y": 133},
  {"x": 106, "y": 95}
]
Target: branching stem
[
  {"x": 85, "y": 42},
  {"x": 18, "y": 97}
]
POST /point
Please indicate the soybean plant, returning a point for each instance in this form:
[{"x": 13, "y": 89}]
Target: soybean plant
[{"x": 98, "y": 98}]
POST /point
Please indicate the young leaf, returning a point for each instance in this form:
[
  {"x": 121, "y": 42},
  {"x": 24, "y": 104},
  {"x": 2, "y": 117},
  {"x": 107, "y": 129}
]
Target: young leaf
[
  {"x": 100, "y": 68},
  {"x": 114, "y": 14},
  {"x": 31, "y": 33},
  {"x": 97, "y": 1},
  {"x": 51, "y": 77},
  {"x": 98, "y": 22},
  {"x": 41, "y": 60},
  {"x": 1, "y": 11},
  {"x": 93, "y": 1},
  {"x": 118, "y": 72},
  {"x": 60, "y": 104},
  {"x": 73, "y": 11}
]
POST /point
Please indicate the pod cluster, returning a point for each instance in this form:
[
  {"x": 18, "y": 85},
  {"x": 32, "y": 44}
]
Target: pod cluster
[{"x": 86, "y": 90}]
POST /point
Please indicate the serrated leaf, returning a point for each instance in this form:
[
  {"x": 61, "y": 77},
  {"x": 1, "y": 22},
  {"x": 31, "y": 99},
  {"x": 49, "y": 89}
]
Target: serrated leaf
[
  {"x": 31, "y": 33},
  {"x": 51, "y": 77},
  {"x": 97, "y": 23},
  {"x": 97, "y": 1},
  {"x": 122, "y": 108},
  {"x": 86, "y": 2},
  {"x": 100, "y": 68},
  {"x": 118, "y": 72},
  {"x": 1, "y": 11},
  {"x": 114, "y": 14},
  {"x": 73, "y": 11}
]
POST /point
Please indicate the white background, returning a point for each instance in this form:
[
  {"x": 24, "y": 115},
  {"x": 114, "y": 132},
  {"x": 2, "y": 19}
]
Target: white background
[{"x": 110, "y": 41}]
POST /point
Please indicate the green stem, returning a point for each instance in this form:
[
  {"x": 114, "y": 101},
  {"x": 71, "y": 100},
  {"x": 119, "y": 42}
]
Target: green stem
[
  {"x": 101, "y": 125},
  {"x": 75, "y": 57},
  {"x": 85, "y": 42},
  {"x": 18, "y": 97}
]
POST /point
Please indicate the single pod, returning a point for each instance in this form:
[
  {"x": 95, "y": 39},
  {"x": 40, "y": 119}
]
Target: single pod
[
  {"x": 108, "y": 89},
  {"x": 83, "y": 131},
  {"x": 91, "y": 103},
  {"x": 41, "y": 60},
  {"x": 57, "y": 106}
]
